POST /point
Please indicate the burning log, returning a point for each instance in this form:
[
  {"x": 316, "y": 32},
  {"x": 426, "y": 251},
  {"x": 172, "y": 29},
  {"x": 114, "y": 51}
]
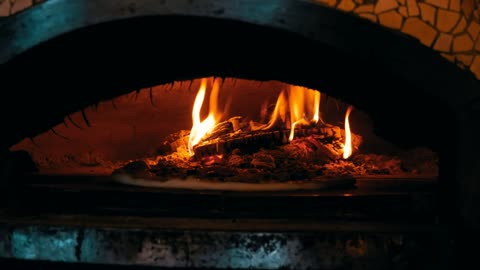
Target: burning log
[
  {"x": 328, "y": 137},
  {"x": 247, "y": 142},
  {"x": 223, "y": 129},
  {"x": 312, "y": 149},
  {"x": 180, "y": 140}
]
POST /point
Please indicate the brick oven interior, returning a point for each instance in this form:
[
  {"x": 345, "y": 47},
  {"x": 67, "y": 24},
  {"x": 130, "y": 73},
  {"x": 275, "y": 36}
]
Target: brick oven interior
[{"x": 99, "y": 167}]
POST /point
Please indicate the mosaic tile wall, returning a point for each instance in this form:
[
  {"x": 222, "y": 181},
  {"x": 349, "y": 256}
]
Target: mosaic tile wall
[
  {"x": 8, "y": 7},
  {"x": 451, "y": 27}
]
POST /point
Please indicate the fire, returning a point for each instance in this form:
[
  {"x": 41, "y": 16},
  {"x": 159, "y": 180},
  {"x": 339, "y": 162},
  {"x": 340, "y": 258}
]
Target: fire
[
  {"x": 279, "y": 113},
  {"x": 295, "y": 106},
  {"x": 304, "y": 105},
  {"x": 347, "y": 148},
  {"x": 300, "y": 104},
  {"x": 316, "y": 106},
  {"x": 201, "y": 128}
]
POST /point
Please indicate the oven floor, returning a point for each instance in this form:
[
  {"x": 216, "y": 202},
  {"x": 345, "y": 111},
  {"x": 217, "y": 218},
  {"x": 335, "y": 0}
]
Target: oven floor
[{"x": 380, "y": 199}]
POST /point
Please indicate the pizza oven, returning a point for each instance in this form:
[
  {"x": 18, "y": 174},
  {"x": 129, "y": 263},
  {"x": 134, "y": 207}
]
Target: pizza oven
[{"x": 232, "y": 134}]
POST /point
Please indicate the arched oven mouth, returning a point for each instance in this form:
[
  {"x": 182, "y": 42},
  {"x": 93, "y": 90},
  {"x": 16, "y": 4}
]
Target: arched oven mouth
[
  {"x": 315, "y": 115},
  {"x": 161, "y": 60}
]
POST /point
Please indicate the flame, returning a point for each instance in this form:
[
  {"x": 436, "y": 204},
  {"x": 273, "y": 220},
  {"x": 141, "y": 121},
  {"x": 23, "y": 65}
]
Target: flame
[
  {"x": 300, "y": 101},
  {"x": 302, "y": 105},
  {"x": 347, "y": 148},
  {"x": 295, "y": 106},
  {"x": 316, "y": 106},
  {"x": 201, "y": 128},
  {"x": 279, "y": 111}
]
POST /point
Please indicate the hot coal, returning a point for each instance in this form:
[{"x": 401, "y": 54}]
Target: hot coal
[{"x": 232, "y": 152}]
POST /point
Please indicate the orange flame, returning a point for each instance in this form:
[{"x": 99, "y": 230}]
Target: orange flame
[
  {"x": 279, "y": 113},
  {"x": 316, "y": 106},
  {"x": 301, "y": 104},
  {"x": 302, "y": 112},
  {"x": 347, "y": 148},
  {"x": 201, "y": 128}
]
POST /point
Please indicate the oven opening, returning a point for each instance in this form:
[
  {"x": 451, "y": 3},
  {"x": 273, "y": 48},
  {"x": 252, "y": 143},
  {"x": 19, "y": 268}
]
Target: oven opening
[
  {"x": 173, "y": 127},
  {"x": 227, "y": 134}
]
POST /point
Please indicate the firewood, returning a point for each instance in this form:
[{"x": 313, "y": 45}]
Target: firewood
[
  {"x": 178, "y": 140},
  {"x": 220, "y": 129},
  {"x": 245, "y": 141},
  {"x": 250, "y": 141},
  {"x": 312, "y": 149}
]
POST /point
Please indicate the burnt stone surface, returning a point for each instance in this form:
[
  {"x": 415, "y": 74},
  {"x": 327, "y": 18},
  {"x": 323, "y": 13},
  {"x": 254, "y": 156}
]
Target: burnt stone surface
[{"x": 228, "y": 249}]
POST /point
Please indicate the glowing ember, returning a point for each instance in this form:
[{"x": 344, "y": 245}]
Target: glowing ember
[
  {"x": 347, "y": 148},
  {"x": 210, "y": 160},
  {"x": 201, "y": 128}
]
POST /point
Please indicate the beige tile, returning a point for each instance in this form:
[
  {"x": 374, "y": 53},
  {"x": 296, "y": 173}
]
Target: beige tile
[
  {"x": 438, "y": 3},
  {"x": 473, "y": 29},
  {"x": 385, "y": 5},
  {"x": 421, "y": 30},
  {"x": 21, "y": 5},
  {"x": 364, "y": 8},
  {"x": 391, "y": 19},
  {"x": 462, "y": 43},
  {"x": 475, "y": 66},
  {"x": 460, "y": 27},
  {"x": 403, "y": 11},
  {"x": 330, "y": 3},
  {"x": 446, "y": 20},
  {"x": 443, "y": 43},
  {"x": 346, "y": 5},
  {"x": 368, "y": 16},
  {"x": 465, "y": 59},
  {"x": 412, "y": 7},
  {"x": 455, "y": 5},
  {"x": 4, "y": 8},
  {"x": 428, "y": 13},
  {"x": 449, "y": 57},
  {"x": 468, "y": 7}
]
